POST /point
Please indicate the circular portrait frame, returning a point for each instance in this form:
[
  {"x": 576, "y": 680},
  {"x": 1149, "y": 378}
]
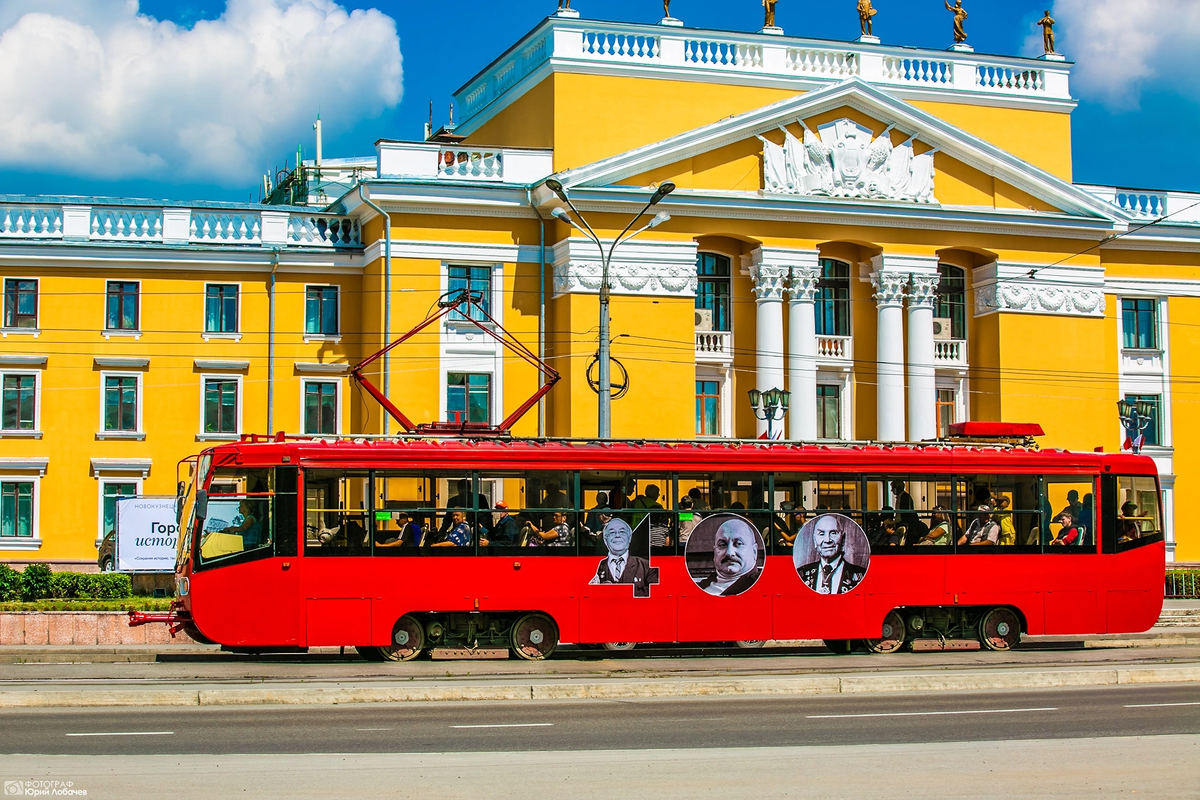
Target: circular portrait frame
[
  {"x": 725, "y": 555},
  {"x": 832, "y": 554}
]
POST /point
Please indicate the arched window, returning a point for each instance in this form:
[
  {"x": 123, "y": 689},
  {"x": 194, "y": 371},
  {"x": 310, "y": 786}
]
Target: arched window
[
  {"x": 713, "y": 288},
  {"x": 952, "y": 299},
  {"x": 833, "y": 299}
]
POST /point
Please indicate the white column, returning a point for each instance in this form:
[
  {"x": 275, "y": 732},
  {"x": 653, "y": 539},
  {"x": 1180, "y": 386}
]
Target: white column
[
  {"x": 802, "y": 351},
  {"x": 889, "y": 358},
  {"x": 922, "y": 386},
  {"x": 769, "y": 283}
]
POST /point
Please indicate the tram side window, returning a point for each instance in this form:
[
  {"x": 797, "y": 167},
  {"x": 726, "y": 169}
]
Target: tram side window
[
  {"x": 639, "y": 500},
  {"x": 1000, "y": 514},
  {"x": 1070, "y": 507},
  {"x": 533, "y": 509},
  {"x": 741, "y": 493},
  {"x": 457, "y": 524},
  {"x": 793, "y": 501},
  {"x": 404, "y": 512},
  {"x": 916, "y": 512},
  {"x": 240, "y": 519},
  {"x": 336, "y": 513},
  {"x": 1138, "y": 520}
]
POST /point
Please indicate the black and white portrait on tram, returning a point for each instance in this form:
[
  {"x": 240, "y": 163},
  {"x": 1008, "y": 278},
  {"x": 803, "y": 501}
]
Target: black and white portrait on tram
[
  {"x": 832, "y": 554},
  {"x": 725, "y": 555}
]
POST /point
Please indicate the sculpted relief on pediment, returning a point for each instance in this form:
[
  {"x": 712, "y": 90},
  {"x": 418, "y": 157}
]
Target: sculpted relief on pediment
[{"x": 844, "y": 159}]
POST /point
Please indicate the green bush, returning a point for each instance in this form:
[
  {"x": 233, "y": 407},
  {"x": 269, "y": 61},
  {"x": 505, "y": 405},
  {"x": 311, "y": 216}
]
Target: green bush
[
  {"x": 112, "y": 586},
  {"x": 89, "y": 586},
  {"x": 35, "y": 582},
  {"x": 10, "y": 584},
  {"x": 65, "y": 585}
]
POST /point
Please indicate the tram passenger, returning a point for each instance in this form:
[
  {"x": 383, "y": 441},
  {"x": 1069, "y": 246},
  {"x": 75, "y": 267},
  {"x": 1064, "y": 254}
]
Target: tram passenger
[
  {"x": 1128, "y": 529},
  {"x": 1087, "y": 518},
  {"x": 1073, "y": 506},
  {"x": 646, "y": 502},
  {"x": 1004, "y": 518},
  {"x": 592, "y": 520},
  {"x": 458, "y": 533},
  {"x": 464, "y": 499},
  {"x": 983, "y": 530},
  {"x": 913, "y": 529},
  {"x": 1069, "y": 534},
  {"x": 699, "y": 504},
  {"x": 688, "y": 518},
  {"x": 798, "y": 518},
  {"x": 505, "y": 530},
  {"x": 247, "y": 525},
  {"x": 558, "y": 534},
  {"x": 939, "y": 529},
  {"x": 406, "y": 533}
]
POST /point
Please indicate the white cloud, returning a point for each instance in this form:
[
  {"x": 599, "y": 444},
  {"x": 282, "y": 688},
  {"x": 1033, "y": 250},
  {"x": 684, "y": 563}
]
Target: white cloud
[
  {"x": 92, "y": 87},
  {"x": 1121, "y": 45}
]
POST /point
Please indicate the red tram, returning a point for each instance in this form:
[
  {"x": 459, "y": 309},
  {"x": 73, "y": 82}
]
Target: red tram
[{"x": 401, "y": 545}]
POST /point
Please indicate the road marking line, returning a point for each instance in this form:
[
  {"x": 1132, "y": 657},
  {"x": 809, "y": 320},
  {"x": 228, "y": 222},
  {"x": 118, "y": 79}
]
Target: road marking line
[
  {"x": 930, "y": 713},
  {"x": 1161, "y": 705},
  {"x": 127, "y": 733},
  {"x": 516, "y": 725}
]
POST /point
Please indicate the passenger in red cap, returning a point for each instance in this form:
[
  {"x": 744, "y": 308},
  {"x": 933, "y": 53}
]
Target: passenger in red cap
[{"x": 505, "y": 530}]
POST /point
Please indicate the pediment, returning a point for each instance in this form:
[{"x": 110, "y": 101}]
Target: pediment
[{"x": 852, "y": 142}]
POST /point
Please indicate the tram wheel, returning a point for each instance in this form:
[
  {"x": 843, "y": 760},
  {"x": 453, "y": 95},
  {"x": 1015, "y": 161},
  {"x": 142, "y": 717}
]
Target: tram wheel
[
  {"x": 1000, "y": 629},
  {"x": 750, "y": 644},
  {"x": 893, "y": 635},
  {"x": 841, "y": 647},
  {"x": 622, "y": 647},
  {"x": 408, "y": 640},
  {"x": 534, "y": 637}
]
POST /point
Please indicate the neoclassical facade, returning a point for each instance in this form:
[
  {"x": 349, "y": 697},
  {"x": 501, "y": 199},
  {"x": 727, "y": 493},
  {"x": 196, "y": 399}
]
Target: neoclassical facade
[{"x": 892, "y": 235}]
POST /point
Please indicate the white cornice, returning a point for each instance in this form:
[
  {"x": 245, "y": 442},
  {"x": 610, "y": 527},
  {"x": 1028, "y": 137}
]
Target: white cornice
[
  {"x": 457, "y": 252},
  {"x": 1058, "y": 291},
  {"x": 102, "y": 466},
  {"x": 1156, "y": 287},
  {"x": 45, "y": 254},
  {"x": 14, "y": 360},
  {"x": 214, "y": 365},
  {"x": 112, "y": 362},
  {"x": 37, "y": 465},
  {"x": 313, "y": 368}
]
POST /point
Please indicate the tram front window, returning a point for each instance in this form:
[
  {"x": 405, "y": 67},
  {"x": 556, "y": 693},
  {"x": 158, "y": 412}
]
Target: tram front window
[{"x": 239, "y": 518}]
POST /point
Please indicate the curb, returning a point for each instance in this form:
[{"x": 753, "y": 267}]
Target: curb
[{"x": 633, "y": 689}]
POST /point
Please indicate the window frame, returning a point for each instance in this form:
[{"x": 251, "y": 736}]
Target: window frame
[
  {"x": 1158, "y": 427},
  {"x": 34, "y": 540},
  {"x": 838, "y": 394},
  {"x": 35, "y": 329},
  {"x": 946, "y": 306},
  {"x": 491, "y": 399},
  {"x": 726, "y": 280},
  {"x": 236, "y": 333},
  {"x": 205, "y": 435},
  {"x": 321, "y": 336},
  {"x": 136, "y": 330},
  {"x": 821, "y": 300},
  {"x": 489, "y": 294},
  {"x": 101, "y": 483},
  {"x": 36, "y": 430},
  {"x": 719, "y": 396},
  {"x": 139, "y": 432},
  {"x": 1156, "y": 315},
  {"x": 337, "y": 401}
]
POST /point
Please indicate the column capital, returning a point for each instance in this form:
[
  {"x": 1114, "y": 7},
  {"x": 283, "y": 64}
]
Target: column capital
[
  {"x": 769, "y": 281},
  {"x": 889, "y": 287},
  {"x": 923, "y": 291},
  {"x": 775, "y": 268},
  {"x": 803, "y": 284}
]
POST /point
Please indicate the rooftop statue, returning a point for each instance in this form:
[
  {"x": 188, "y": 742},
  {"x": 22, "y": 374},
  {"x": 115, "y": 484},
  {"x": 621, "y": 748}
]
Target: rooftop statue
[
  {"x": 564, "y": 5},
  {"x": 769, "y": 5},
  {"x": 960, "y": 16},
  {"x": 866, "y": 14},
  {"x": 1047, "y": 23},
  {"x": 667, "y": 8}
]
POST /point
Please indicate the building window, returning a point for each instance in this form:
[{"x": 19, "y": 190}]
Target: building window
[
  {"x": 477, "y": 281},
  {"x": 16, "y": 509},
  {"x": 120, "y": 403},
  {"x": 952, "y": 299},
  {"x": 220, "y": 405},
  {"x": 320, "y": 408},
  {"x": 19, "y": 403},
  {"x": 708, "y": 408},
  {"x": 321, "y": 311},
  {"x": 111, "y": 492},
  {"x": 833, "y": 299},
  {"x": 20, "y": 303},
  {"x": 829, "y": 412},
  {"x": 947, "y": 411},
  {"x": 714, "y": 289},
  {"x": 1153, "y": 433},
  {"x": 1140, "y": 323},
  {"x": 122, "y": 308},
  {"x": 220, "y": 308},
  {"x": 468, "y": 397}
]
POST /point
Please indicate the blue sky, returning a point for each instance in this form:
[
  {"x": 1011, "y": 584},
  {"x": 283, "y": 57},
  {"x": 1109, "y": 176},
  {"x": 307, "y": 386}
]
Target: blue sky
[{"x": 205, "y": 125}]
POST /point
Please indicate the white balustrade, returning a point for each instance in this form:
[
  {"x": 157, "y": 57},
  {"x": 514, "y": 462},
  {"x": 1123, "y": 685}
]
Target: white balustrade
[
  {"x": 31, "y": 222},
  {"x": 836, "y": 64},
  {"x": 127, "y": 225},
  {"x": 226, "y": 228},
  {"x": 733, "y": 55},
  {"x": 312, "y": 230},
  {"x": 714, "y": 346},
  {"x": 921, "y": 71},
  {"x": 620, "y": 45},
  {"x": 1006, "y": 79},
  {"x": 835, "y": 347},
  {"x": 950, "y": 352},
  {"x": 1142, "y": 205},
  {"x": 471, "y": 163}
]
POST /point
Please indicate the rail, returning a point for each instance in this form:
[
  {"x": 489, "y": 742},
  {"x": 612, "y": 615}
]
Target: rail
[{"x": 1183, "y": 582}]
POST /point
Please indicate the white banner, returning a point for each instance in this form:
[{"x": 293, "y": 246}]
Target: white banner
[{"x": 146, "y": 534}]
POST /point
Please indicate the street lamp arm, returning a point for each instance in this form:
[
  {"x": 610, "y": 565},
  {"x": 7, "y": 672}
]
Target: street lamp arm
[
  {"x": 586, "y": 227},
  {"x": 622, "y": 238}
]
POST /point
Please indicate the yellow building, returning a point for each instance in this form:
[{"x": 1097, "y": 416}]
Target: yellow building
[{"x": 890, "y": 234}]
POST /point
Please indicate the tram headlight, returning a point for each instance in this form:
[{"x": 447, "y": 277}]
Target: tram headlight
[{"x": 182, "y": 586}]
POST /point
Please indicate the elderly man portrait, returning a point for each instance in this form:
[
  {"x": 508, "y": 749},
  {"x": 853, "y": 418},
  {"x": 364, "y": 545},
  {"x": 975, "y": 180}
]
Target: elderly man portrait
[
  {"x": 619, "y": 566},
  {"x": 735, "y": 560},
  {"x": 832, "y": 572}
]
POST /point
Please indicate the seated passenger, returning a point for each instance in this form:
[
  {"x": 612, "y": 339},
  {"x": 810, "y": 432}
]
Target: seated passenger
[
  {"x": 1128, "y": 529},
  {"x": 798, "y": 518},
  {"x": 1004, "y": 518},
  {"x": 458, "y": 533},
  {"x": 406, "y": 533},
  {"x": 939, "y": 529},
  {"x": 505, "y": 530},
  {"x": 982, "y": 530},
  {"x": 688, "y": 518},
  {"x": 647, "y": 501},
  {"x": 890, "y": 533},
  {"x": 559, "y": 534},
  {"x": 1069, "y": 534},
  {"x": 592, "y": 520}
]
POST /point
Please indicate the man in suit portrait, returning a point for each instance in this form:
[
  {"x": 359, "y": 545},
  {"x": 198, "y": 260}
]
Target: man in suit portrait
[
  {"x": 620, "y": 567},
  {"x": 831, "y": 573},
  {"x": 735, "y": 559}
]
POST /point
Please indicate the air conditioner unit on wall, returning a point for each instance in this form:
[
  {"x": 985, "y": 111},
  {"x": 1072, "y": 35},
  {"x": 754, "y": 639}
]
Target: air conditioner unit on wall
[
  {"x": 942, "y": 329},
  {"x": 704, "y": 319}
]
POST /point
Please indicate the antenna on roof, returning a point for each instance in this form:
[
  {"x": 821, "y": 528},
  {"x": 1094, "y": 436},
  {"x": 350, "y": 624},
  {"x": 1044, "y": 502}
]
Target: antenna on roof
[
  {"x": 429, "y": 124},
  {"x": 451, "y": 123},
  {"x": 317, "y": 128}
]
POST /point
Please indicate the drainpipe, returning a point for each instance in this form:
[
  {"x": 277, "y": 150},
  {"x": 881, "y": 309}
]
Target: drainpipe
[
  {"x": 541, "y": 306},
  {"x": 271, "y": 344},
  {"x": 387, "y": 299}
]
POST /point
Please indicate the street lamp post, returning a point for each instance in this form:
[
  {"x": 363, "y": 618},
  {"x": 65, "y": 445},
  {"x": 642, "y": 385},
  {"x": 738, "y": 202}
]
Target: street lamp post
[
  {"x": 1136, "y": 417},
  {"x": 770, "y": 406},
  {"x": 604, "y": 421}
]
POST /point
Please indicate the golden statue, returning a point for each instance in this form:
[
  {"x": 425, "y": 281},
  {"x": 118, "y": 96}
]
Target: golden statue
[
  {"x": 769, "y": 5},
  {"x": 1047, "y": 23},
  {"x": 667, "y": 8},
  {"x": 960, "y": 15},
  {"x": 865, "y": 14},
  {"x": 564, "y": 5}
]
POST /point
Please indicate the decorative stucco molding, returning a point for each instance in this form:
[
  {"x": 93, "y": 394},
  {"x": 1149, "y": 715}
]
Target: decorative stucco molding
[
  {"x": 1061, "y": 291},
  {"x": 775, "y": 270},
  {"x": 923, "y": 291},
  {"x": 889, "y": 287},
  {"x": 638, "y": 268}
]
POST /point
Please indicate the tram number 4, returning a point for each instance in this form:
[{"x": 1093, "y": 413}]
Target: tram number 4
[{"x": 642, "y": 588}]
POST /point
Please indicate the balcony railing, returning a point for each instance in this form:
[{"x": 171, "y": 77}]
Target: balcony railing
[
  {"x": 714, "y": 346},
  {"x": 177, "y": 226},
  {"x": 950, "y": 353},
  {"x": 1150, "y": 205},
  {"x": 835, "y": 348},
  {"x": 432, "y": 161},
  {"x": 569, "y": 44}
]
